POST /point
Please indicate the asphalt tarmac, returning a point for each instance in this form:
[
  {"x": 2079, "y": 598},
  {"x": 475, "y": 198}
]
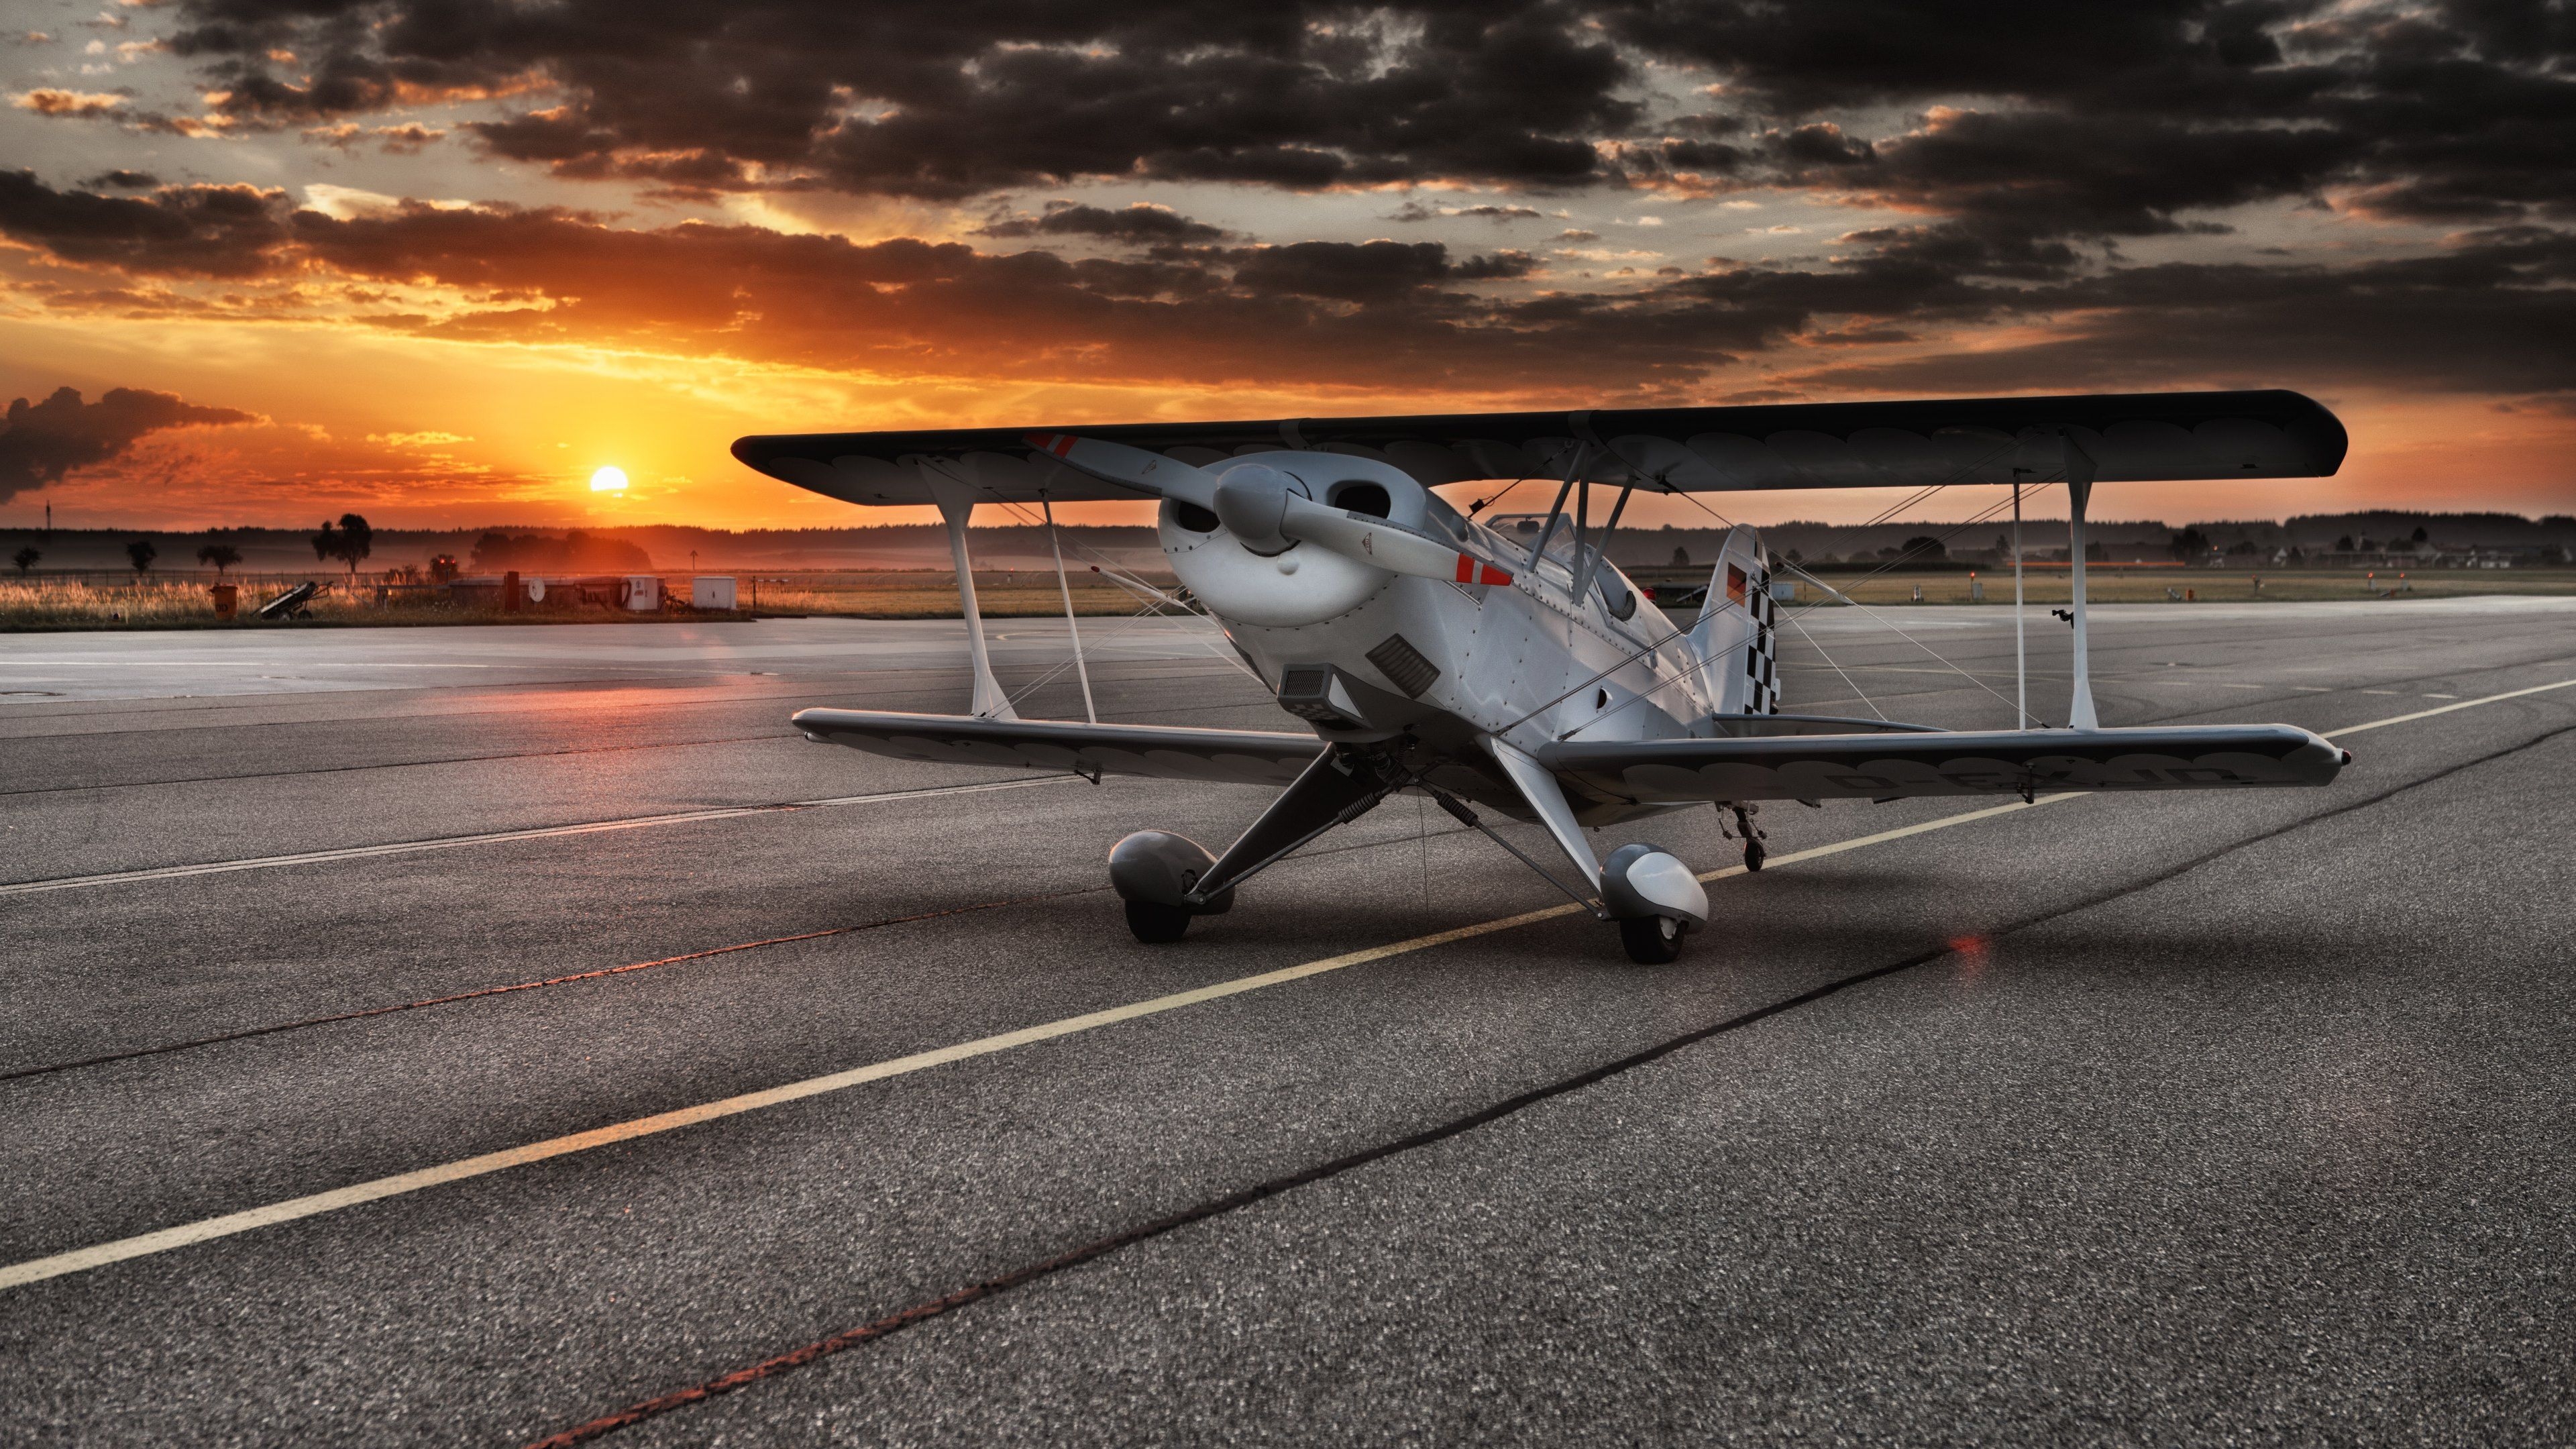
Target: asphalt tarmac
[{"x": 2172, "y": 1119}]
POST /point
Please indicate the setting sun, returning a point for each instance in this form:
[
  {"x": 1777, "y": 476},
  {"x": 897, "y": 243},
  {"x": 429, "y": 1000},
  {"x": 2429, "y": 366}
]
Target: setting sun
[{"x": 608, "y": 480}]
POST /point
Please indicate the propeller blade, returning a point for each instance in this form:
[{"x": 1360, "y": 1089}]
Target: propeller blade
[
  {"x": 1376, "y": 541},
  {"x": 1129, "y": 467}
]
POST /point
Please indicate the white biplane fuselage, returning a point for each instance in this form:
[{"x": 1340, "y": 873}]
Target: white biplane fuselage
[{"x": 1528, "y": 663}]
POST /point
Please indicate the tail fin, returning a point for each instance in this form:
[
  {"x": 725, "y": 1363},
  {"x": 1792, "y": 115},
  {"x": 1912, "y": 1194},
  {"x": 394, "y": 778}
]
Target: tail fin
[{"x": 1735, "y": 637}]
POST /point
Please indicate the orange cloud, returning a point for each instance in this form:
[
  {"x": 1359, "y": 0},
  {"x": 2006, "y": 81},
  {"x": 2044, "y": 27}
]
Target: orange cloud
[{"x": 50, "y": 101}]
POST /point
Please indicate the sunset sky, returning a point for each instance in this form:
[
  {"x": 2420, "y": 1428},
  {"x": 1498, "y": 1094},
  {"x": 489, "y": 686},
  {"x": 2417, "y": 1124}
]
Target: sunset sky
[{"x": 438, "y": 261}]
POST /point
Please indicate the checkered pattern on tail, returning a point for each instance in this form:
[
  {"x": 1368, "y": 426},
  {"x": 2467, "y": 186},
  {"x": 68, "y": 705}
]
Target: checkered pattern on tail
[
  {"x": 1762, "y": 661},
  {"x": 1736, "y": 635}
]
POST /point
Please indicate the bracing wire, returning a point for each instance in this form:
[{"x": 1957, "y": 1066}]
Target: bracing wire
[
  {"x": 1057, "y": 670},
  {"x": 1857, "y": 692},
  {"x": 1072, "y": 629},
  {"x": 1873, "y": 614},
  {"x": 1155, "y": 599},
  {"x": 1884, "y": 622}
]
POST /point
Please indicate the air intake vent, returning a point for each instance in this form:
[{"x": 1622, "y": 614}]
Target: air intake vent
[
  {"x": 1310, "y": 692},
  {"x": 1400, "y": 662}
]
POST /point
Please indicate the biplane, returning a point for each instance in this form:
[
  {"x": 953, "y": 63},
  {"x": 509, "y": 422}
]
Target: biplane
[{"x": 1519, "y": 671}]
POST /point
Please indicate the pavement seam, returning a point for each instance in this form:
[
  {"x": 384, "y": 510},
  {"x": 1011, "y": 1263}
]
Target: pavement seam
[
  {"x": 511, "y": 988},
  {"x": 602, "y": 972},
  {"x": 658, "y": 705},
  {"x": 495, "y": 837},
  {"x": 402, "y": 764},
  {"x": 186, "y": 705},
  {"x": 1440, "y": 1132}
]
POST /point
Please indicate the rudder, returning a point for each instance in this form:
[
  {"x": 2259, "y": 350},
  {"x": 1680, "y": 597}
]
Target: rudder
[{"x": 1736, "y": 635}]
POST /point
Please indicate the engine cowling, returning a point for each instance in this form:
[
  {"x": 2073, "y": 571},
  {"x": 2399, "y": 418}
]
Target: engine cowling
[{"x": 1265, "y": 579}]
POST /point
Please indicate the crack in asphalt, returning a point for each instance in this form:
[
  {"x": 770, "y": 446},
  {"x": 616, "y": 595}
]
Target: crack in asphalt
[{"x": 599, "y": 973}]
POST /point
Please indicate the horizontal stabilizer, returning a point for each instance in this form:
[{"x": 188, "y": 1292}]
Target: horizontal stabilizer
[
  {"x": 2001, "y": 762},
  {"x": 1249, "y": 757}
]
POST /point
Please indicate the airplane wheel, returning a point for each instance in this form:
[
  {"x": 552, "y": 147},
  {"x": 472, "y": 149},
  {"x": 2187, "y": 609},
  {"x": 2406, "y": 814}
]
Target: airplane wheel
[
  {"x": 1754, "y": 855},
  {"x": 1651, "y": 940},
  {"x": 1157, "y": 924}
]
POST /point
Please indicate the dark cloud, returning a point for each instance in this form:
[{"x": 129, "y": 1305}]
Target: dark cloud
[
  {"x": 1327, "y": 314},
  {"x": 1344, "y": 271},
  {"x": 2030, "y": 120},
  {"x": 2106, "y": 121},
  {"x": 123, "y": 180},
  {"x": 1141, "y": 224},
  {"x": 1501, "y": 266},
  {"x": 203, "y": 231},
  {"x": 40, "y": 442},
  {"x": 1366, "y": 272},
  {"x": 1487, "y": 211},
  {"x": 2039, "y": 175},
  {"x": 2494, "y": 313},
  {"x": 1819, "y": 143},
  {"x": 936, "y": 100}
]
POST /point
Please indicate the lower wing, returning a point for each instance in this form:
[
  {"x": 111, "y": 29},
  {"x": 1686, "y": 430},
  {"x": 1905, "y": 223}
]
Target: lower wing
[
  {"x": 2002, "y": 762},
  {"x": 1249, "y": 757}
]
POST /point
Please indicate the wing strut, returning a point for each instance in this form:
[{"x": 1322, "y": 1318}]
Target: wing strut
[
  {"x": 957, "y": 506},
  {"x": 2021, "y": 656},
  {"x": 2079, "y": 491},
  {"x": 1547, "y": 802},
  {"x": 1071, "y": 627}
]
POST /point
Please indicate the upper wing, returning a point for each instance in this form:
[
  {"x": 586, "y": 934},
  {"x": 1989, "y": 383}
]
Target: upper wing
[
  {"x": 1885, "y": 766},
  {"x": 2129, "y": 437},
  {"x": 1251, "y": 757}
]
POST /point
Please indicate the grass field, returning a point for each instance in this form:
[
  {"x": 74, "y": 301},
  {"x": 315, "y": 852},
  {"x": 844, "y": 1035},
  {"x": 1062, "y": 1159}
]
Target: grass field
[
  {"x": 181, "y": 600},
  {"x": 2111, "y": 584}
]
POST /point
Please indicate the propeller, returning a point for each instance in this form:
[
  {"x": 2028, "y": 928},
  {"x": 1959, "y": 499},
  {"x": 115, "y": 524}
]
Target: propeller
[
  {"x": 1131, "y": 467},
  {"x": 1267, "y": 511}
]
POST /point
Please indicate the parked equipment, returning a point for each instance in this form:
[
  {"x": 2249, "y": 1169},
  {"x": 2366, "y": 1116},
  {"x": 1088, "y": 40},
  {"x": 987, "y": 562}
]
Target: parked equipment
[{"x": 293, "y": 603}]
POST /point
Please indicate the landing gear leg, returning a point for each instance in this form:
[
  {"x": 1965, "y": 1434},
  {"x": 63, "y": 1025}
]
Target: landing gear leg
[
  {"x": 1753, "y": 835},
  {"x": 1651, "y": 940}
]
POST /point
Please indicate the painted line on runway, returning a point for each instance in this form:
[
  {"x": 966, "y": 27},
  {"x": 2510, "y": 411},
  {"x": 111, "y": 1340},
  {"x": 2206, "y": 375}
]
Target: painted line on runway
[
  {"x": 543, "y": 832},
  {"x": 2447, "y": 708},
  {"x": 99, "y": 1255}
]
